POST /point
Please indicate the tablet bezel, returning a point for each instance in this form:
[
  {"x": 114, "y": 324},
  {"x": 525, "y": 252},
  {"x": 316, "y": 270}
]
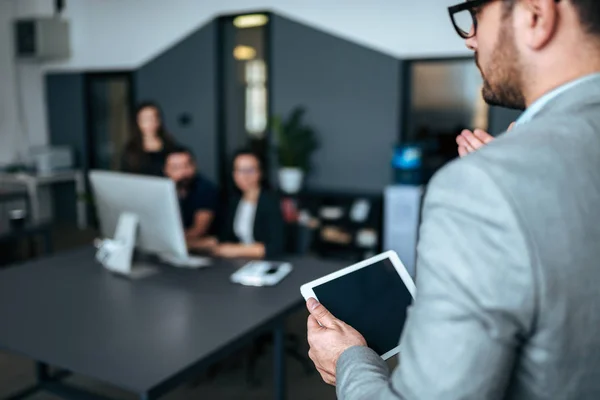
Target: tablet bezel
[{"x": 307, "y": 289}]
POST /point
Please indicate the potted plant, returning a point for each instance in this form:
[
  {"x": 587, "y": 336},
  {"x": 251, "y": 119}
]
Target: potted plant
[{"x": 295, "y": 144}]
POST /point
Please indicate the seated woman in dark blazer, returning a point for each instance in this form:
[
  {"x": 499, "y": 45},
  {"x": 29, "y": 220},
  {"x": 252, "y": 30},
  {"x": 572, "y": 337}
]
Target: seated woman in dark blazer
[{"x": 254, "y": 224}]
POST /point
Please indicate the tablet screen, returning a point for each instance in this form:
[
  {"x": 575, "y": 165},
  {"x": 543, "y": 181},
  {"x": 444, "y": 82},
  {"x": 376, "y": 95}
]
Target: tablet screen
[{"x": 373, "y": 300}]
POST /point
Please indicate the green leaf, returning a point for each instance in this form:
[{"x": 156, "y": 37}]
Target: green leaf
[{"x": 295, "y": 141}]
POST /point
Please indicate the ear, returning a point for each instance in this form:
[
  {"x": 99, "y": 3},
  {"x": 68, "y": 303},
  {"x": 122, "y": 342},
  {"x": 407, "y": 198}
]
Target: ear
[{"x": 537, "y": 22}]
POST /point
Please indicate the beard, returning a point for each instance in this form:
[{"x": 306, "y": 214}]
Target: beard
[
  {"x": 184, "y": 184},
  {"x": 502, "y": 80}
]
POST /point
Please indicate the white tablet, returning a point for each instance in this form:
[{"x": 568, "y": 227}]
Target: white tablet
[{"x": 372, "y": 296}]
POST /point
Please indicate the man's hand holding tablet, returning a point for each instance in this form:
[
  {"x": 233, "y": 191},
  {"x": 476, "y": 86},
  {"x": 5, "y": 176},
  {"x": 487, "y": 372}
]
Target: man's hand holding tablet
[
  {"x": 362, "y": 305},
  {"x": 328, "y": 338}
]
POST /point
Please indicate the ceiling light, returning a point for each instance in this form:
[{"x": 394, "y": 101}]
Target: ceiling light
[
  {"x": 244, "y": 53},
  {"x": 250, "y": 20}
]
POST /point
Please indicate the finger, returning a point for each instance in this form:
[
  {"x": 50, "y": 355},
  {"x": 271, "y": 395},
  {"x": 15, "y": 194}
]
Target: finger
[
  {"x": 325, "y": 372},
  {"x": 462, "y": 151},
  {"x": 511, "y": 126},
  {"x": 462, "y": 141},
  {"x": 469, "y": 148},
  {"x": 322, "y": 315},
  {"x": 313, "y": 357},
  {"x": 483, "y": 136},
  {"x": 472, "y": 140},
  {"x": 327, "y": 377},
  {"x": 312, "y": 323}
]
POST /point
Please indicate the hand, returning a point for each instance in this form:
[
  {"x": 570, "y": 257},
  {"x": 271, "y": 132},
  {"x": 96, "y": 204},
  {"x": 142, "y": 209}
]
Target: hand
[
  {"x": 469, "y": 142},
  {"x": 210, "y": 242},
  {"x": 227, "y": 250},
  {"x": 328, "y": 340},
  {"x": 203, "y": 244}
]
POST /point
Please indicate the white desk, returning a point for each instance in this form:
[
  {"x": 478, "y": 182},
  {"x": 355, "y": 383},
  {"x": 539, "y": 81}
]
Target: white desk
[{"x": 34, "y": 182}]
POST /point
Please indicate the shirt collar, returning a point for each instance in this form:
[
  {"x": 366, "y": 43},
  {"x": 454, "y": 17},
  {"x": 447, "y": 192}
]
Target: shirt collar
[{"x": 539, "y": 104}]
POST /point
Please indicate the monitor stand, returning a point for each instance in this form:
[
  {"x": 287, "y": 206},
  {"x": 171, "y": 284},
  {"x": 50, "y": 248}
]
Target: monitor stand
[
  {"x": 138, "y": 270},
  {"x": 116, "y": 255}
]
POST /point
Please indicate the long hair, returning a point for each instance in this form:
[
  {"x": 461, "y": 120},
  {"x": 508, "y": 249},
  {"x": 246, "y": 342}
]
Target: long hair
[
  {"x": 134, "y": 149},
  {"x": 247, "y": 151}
]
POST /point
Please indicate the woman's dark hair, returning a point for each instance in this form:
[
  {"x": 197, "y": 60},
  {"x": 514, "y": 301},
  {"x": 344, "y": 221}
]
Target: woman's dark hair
[
  {"x": 246, "y": 151},
  {"x": 134, "y": 149}
]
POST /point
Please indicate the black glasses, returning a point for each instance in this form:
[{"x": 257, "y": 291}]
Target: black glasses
[{"x": 464, "y": 17}]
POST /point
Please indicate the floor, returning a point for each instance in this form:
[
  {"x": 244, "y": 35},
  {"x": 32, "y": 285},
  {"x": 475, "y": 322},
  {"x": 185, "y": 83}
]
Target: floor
[{"x": 228, "y": 383}]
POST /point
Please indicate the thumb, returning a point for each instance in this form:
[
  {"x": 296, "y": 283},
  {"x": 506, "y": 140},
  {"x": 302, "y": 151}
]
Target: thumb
[{"x": 318, "y": 311}]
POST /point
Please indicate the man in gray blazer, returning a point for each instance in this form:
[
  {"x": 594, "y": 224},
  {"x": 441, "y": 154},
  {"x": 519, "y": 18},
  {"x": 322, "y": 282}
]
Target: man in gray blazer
[{"x": 508, "y": 286}]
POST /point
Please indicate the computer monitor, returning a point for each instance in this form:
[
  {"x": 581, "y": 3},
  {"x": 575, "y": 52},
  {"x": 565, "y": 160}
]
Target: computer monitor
[{"x": 153, "y": 200}]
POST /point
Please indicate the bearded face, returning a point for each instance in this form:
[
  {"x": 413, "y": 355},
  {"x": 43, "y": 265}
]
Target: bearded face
[{"x": 501, "y": 70}]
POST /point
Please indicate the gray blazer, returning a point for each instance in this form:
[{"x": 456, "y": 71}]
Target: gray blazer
[{"x": 508, "y": 286}]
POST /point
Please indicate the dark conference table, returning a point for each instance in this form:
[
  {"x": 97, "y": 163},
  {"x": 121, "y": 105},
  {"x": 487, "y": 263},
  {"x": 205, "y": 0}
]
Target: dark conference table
[{"x": 146, "y": 336}]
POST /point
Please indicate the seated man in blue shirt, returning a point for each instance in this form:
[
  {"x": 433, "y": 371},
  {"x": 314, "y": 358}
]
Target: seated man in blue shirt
[{"x": 198, "y": 197}]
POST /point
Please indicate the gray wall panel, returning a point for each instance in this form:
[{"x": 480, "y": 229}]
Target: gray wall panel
[
  {"x": 352, "y": 97},
  {"x": 501, "y": 118},
  {"x": 183, "y": 81},
  {"x": 66, "y": 107}
]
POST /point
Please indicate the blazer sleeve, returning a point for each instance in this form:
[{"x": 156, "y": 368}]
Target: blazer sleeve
[
  {"x": 269, "y": 230},
  {"x": 474, "y": 305}
]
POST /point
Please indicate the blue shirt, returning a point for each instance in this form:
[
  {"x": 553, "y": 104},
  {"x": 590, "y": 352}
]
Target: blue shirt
[
  {"x": 202, "y": 196},
  {"x": 539, "y": 104}
]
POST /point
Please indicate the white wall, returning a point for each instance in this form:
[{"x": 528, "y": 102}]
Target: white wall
[
  {"x": 114, "y": 34},
  {"x": 8, "y": 112},
  {"x": 22, "y": 98},
  {"x": 125, "y": 33}
]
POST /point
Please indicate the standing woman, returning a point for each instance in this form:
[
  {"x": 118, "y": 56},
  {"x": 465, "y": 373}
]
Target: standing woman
[
  {"x": 146, "y": 150},
  {"x": 254, "y": 226}
]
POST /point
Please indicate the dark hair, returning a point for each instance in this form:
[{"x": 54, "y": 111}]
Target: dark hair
[
  {"x": 177, "y": 149},
  {"x": 246, "y": 151},
  {"x": 134, "y": 149},
  {"x": 588, "y": 11},
  {"x": 589, "y": 15}
]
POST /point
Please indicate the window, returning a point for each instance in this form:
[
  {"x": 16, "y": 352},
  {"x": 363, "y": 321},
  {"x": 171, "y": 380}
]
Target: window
[{"x": 256, "y": 98}]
